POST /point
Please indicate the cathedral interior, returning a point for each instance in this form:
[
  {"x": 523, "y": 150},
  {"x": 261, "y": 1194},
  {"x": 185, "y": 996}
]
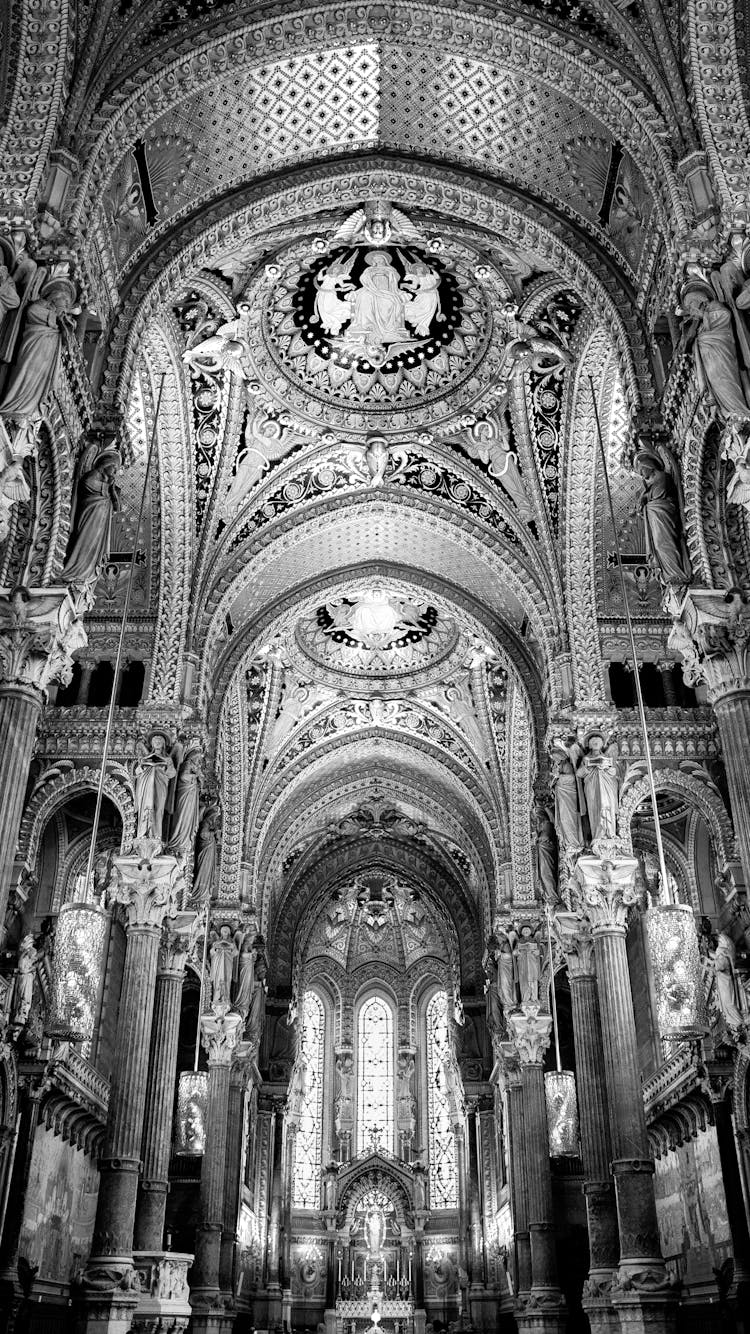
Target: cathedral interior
[{"x": 374, "y": 667}]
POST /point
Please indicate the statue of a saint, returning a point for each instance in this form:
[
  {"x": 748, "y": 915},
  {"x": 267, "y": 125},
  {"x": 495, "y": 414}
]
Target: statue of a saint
[
  {"x": 660, "y": 504},
  {"x": 223, "y": 954},
  {"x": 491, "y": 990},
  {"x": 345, "y": 1093},
  {"x": 567, "y": 810},
  {"x": 186, "y": 812},
  {"x": 96, "y": 500},
  {"x": 23, "y": 985},
  {"x": 710, "y": 328},
  {"x": 206, "y": 855},
  {"x": 375, "y": 1230},
  {"x": 404, "y": 1095},
  {"x": 9, "y": 298},
  {"x": 154, "y": 772},
  {"x": 37, "y": 355},
  {"x": 601, "y": 788},
  {"x": 529, "y": 965},
  {"x": 506, "y": 969},
  {"x": 377, "y": 306},
  {"x": 727, "y": 986},
  {"x": 257, "y": 1012},
  {"x": 545, "y": 854}
]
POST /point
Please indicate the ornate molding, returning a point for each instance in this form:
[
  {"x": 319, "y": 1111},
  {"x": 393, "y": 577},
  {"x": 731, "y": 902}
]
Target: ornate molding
[
  {"x": 149, "y": 890},
  {"x": 40, "y": 630},
  {"x": 607, "y": 889}
]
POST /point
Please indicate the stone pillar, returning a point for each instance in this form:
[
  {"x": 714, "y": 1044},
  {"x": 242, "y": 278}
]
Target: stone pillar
[
  {"x": 148, "y": 890},
  {"x": 476, "y": 1232},
  {"x": 712, "y": 634},
  {"x": 718, "y": 1088},
  {"x": 39, "y": 631},
  {"x": 593, "y": 1112},
  {"x": 275, "y": 1212},
  {"x": 641, "y": 1290},
  {"x": 84, "y": 685},
  {"x": 543, "y": 1310},
  {"x": 240, "y": 1074},
  {"x": 667, "y": 680},
  {"x": 519, "y": 1195},
  {"x": 220, "y": 1034},
  {"x": 157, "y": 1137}
]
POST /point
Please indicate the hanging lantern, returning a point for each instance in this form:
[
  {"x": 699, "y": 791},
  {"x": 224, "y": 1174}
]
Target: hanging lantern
[
  {"x": 77, "y": 969},
  {"x": 190, "y": 1126},
  {"x": 676, "y": 970},
  {"x": 562, "y": 1113}
]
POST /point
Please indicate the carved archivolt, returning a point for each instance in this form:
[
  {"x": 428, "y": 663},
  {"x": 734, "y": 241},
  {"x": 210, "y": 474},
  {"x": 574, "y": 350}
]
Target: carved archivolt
[
  {"x": 51, "y": 795},
  {"x": 696, "y": 793}
]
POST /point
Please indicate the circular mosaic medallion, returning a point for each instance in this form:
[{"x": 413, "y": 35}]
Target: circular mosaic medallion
[
  {"x": 376, "y": 633},
  {"x": 377, "y": 327}
]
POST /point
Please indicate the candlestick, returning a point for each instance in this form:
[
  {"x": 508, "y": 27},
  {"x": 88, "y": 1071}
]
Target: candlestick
[{"x": 339, "y": 1271}]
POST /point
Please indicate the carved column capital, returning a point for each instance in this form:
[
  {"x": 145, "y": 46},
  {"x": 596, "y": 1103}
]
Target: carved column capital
[
  {"x": 148, "y": 890},
  {"x": 531, "y": 1033},
  {"x": 711, "y": 633},
  {"x": 607, "y": 890},
  {"x": 177, "y": 939},
  {"x": 577, "y": 942},
  {"x": 40, "y": 630},
  {"x": 220, "y": 1035}
]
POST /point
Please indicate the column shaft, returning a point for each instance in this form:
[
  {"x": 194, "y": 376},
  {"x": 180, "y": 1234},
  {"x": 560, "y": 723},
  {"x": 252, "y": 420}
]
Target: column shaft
[
  {"x": 738, "y": 1224},
  {"x": 205, "y": 1280},
  {"x": 632, "y": 1162},
  {"x": 518, "y": 1187},
  {"x": 152, "y": 1197},
  {"x": 236, "y": 1131},
  {"x": 20, "y": 707},
  {"x": 539, "y": 1179},
  {"x": 593, "y": 1111},
  {"x": 115, "y": 1211},
  {"x": 733, "y": 718}
]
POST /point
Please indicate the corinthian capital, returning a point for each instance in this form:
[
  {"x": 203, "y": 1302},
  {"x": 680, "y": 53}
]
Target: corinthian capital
[
  {"x": 608, "y": 890},
  {"x": 149, "y": 890},
  {"x": 220, "y": 1035},
  {"x": 577, "y": 942},
  {"x": 711, "y": 632},
  {"x": 177, "y": 939},
  {"x": 531, "y": 1032},
  {"x": 40, "y": 630}
]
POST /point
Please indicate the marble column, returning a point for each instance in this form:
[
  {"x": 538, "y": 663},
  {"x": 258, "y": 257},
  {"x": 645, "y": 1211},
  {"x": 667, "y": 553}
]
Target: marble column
[
  {"x": 519, "y": 1195},
  {"x": 240, "y": 1075},
  {"x": 157, "y": 1137},
  {"x": 148, "y": 890},
  {"x": 577, "y": 942},
  {"x": 476, "y": 1237},
  {"x": 641, "y": 1290},
  {"x": 39, "y": 631},
  {"x": 544, "y": 1307},
  {"x": 718, "y": 1088},
  {"x": 712, "y": 634},
  {"x": 220, "y": 1034}
]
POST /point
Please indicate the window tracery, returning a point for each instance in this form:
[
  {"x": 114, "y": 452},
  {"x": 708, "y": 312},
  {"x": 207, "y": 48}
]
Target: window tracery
[
  {"x": 375, "y": 1076},
  {"x": 308, "y": 1146},
  {"x": 441, "y": 1144}
]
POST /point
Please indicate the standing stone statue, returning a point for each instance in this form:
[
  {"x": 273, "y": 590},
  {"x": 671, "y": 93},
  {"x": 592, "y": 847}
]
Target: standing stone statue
[
  {"x": 727, "y": 986},
  {"x": 222, "y": 955},
  {"x": 9, "y": 297},
  {"x": 545, "y": 854},
  {"x": 345, "y": 1093},
  {"x": 97, "y": 499},
  {"x": 154, "y": 771},
  {"x": 257, "y": 1012},
  {"x": 23, "y": 986},
  {"x": 529, "y": 965},
  {"x": 38, "y": 353},
  {"x": 249, "y": 952},
  {"x": 567, "y": 807},
  {"x": 206, "y": 856},
  {"x": 506, "y": 968},
  {"x": 660, "y": 505},
  {"x": 404, "y": 1095},
  {"x": 187, "y": 801},
  {"x": 710, "y": 330},
  {"x": 601, "y": 788}
]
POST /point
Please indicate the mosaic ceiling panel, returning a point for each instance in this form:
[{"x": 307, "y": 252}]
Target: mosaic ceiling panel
[{"x": 373, "y": 95}]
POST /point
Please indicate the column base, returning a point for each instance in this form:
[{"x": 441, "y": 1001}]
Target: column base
[
  {"x": 420, "y": 1320},
  {"x": 644, "y": 1311},
  {"x": 542, "y": 1313},
  {"x": 109, "y": 1294},
  {"x": 329, "y": 1320},
  {"x": 597, "y": 1302},
  {"x": 164, "y": 1299},
  {"x": 214, "y": 1320}
]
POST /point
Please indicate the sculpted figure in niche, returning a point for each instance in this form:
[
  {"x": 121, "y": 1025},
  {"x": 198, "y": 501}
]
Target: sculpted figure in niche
[
  {"x": 97, "y": 498},
  {"x": 529, "y": 965},
  {"x": 248, "y": 953},
  {"x": 506, "y": 967},
  {"x": 23, "y": 986},
  {"x": 545, "y": 854},
  {"x": 404, "y": 1095},
  {"x": 567, "y": 810},
  {"x": 710, "y": 330},
  {"x": 345, "y": 1093},
  {"x": 223, "y": 955},
  {"x": 660, "y": 505},
  {"x": 206, "y": 855},
  {"x": 601, "y": 788},
  {"x": 257, "y": 1012},
  {"x": 37, "y": 355},
  {"x": 491, "y": 990},
  {"x": 727, "y": 985},
  {"x": 186, "y": 804},
  {"x": 154, "y": 771}
]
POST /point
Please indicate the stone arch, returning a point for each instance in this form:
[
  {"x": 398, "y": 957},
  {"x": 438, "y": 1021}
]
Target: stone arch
[
  {"x": 700, "y": 794},
  {"x": 49, "y": 796}
]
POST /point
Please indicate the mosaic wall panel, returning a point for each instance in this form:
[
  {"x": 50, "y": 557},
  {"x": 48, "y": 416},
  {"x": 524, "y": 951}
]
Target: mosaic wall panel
[
  {"x": 58, "y": 1220},
  {"x": 691, "y": 1207}
]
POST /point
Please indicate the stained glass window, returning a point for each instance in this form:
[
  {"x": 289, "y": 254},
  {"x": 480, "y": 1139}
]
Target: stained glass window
[
  {"x": 441, "y": 1143},
  {"x": 308, "y": 1143},
  {"x": 375, "y": 1120}
]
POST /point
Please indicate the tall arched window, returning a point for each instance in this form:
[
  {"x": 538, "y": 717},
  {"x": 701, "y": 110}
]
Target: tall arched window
[
  {"x": 375, "y": 1121},
  {"x": 441, "y": 1144},
  {"x": 308, "y": 1144}
]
